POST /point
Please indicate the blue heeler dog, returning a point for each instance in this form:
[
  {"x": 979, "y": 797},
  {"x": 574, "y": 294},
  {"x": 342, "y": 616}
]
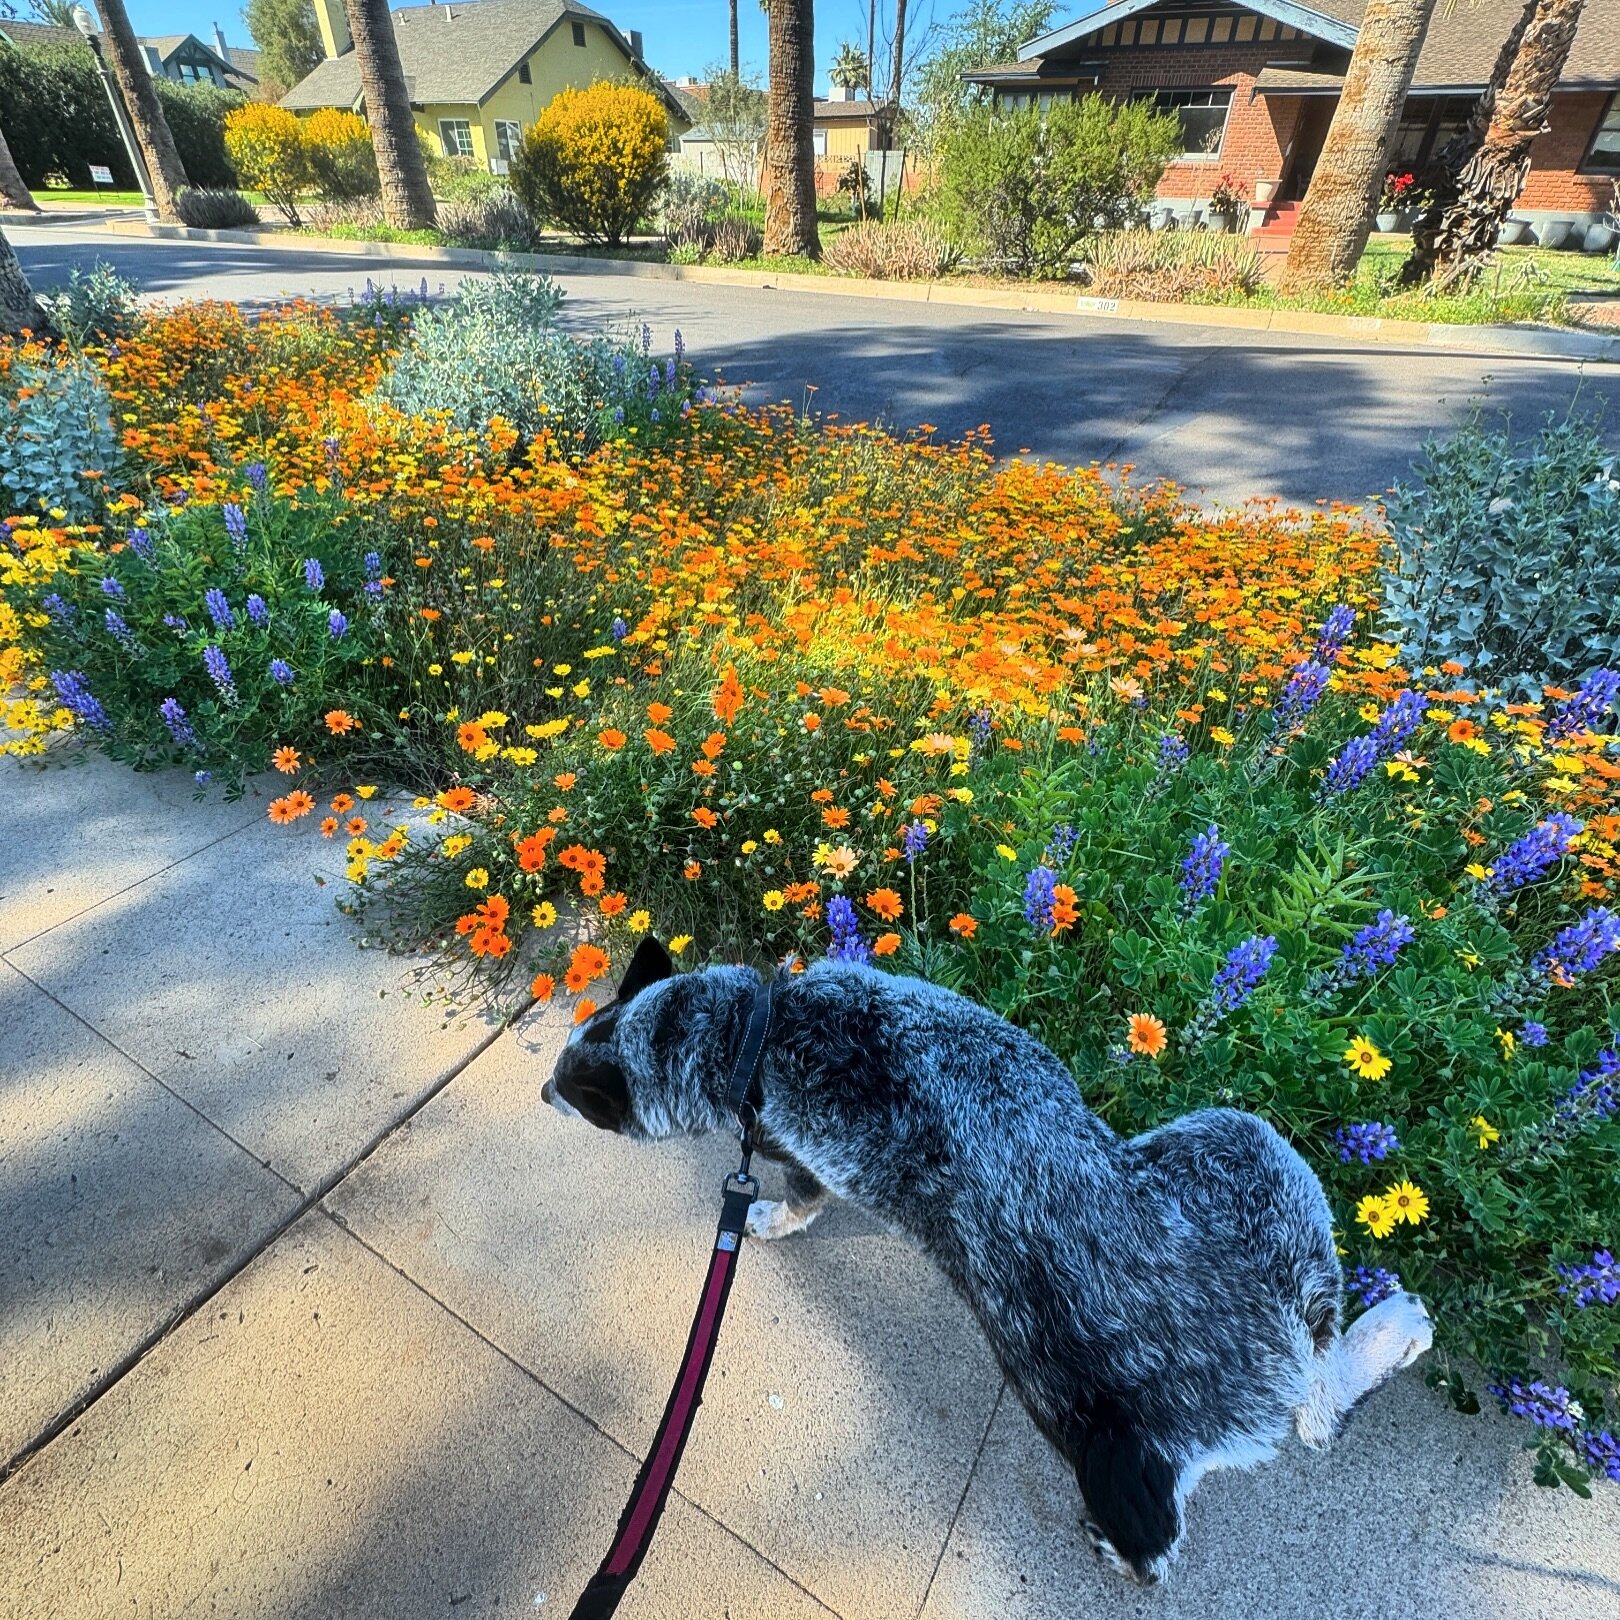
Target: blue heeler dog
[{"x": 1162, "y": 1306}]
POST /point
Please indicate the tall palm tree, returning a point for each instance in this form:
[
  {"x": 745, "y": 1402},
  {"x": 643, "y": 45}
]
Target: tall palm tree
[
  {"x": 790, "y": 159},
  {"x": 849, "y": 70},
  {"x": 123, "y": 55},
  {"x": 735, "y": 67},
  {"x": 897, "y": 70},
  {"x": 19, "y": 308},
  {"x": 13, "y": 192},
  {"x": 406, "y": 198},
  {"x": 1336, "y": 219},
  {"x": 1477, "y": 177}
]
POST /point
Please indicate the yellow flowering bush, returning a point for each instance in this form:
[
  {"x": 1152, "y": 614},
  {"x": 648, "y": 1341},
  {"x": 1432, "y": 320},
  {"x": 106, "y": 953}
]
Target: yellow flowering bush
[
  {"x": 266, "y": 147},
  {"x": 341, "y": 161},
  {"x": 594, "y": 160}
]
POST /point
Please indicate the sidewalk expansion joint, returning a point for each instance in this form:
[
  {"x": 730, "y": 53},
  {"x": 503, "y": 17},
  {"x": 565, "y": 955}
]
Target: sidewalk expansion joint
[{"x": 961, "y": 1501}]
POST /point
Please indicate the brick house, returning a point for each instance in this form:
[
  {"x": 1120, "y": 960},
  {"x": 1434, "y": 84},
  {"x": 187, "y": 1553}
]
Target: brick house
[{"x": 1255, "y": 86}]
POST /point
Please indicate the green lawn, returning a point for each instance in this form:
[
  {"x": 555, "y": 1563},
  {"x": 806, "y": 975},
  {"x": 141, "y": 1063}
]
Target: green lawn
[{"x": 101, "y": 194}]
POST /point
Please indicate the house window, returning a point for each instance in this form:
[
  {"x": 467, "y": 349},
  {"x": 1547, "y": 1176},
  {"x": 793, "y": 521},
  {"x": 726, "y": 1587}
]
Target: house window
[
  {"x": 455, "y": 135},
  {"x": 1019, "y": 100},
  {"x": 508, "y": 132},
  {"x": 579, "y": 33},
  {"x": 818, "y": 139},
  {"x": 1202, "y": 114},
  {"x": 524, "y": 75},
  {"x": 1605, "y": 153}
]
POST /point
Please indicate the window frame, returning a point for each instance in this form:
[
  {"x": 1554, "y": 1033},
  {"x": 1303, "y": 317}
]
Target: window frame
[
  {"x": 579, "y": 34},
  {"x": 524, "y": 75},
  {"x": 516, "y": 127},
  {"x": 457, "y": 124},
  {"x": 1153, "y": 94},
  {"x": 1589, "y": 163}
]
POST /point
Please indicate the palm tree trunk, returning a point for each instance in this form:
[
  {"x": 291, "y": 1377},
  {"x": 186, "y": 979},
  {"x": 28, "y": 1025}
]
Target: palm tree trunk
[
  {"x": 897, "y": 70},
  {"x": 13, "y": 192},
  {"x": 401, "y": 172},
  {"x": 1477, "y": 177},
  {"x": 735, "y": 66},
  {"x": 168, "y": 173},
  {"x": 790, "y": 158},
  {"x": 19, "y": 309},
  {"x": 1334, "y": 223}
]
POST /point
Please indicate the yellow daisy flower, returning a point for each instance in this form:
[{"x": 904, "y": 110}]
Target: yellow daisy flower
[
  {"x": 1376, "y": 1215},
  {"x": 1486, "y": 1131},
  {"x": 1366, "y": 1060},
  {"x": 1406, "y": 1201}
]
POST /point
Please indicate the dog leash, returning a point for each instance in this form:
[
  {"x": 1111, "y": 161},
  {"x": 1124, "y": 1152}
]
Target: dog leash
[{"x": 744, "y": 1096}]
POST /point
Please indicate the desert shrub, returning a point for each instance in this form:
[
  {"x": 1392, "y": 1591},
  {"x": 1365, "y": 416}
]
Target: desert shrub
[
  {"x": 96, "y": 304},
  {"x": 216, "y": 210},
  {"x": 267, "y": 149},
  {"x": 357, "y": 213},
  {"x": 733, "y": 238},
  {"x": 489, "y": 219},
  {"x": 1171, "y": 265},
  {"x": 686, "y": 202},
  {"x": 59, "y": 445},
  {"x": 496, "y": 353},
  {"x": 594, "y": 160},
  {"x": 1023, "y": 191},
  {"x": 341, "y": 161},
  {"x": 686, "y": 253},
  {"x": 1507, "y": 558},
  {"x": 459, "y": 179},
  {"x": 909, "y": 250}
]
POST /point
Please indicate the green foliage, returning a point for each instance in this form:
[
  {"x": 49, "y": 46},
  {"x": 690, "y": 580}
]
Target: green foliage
[
  {"x": 1508, "y": 559},
  {"x": 267, "y": 146},
  {"x": 196, "y": 115},
  {"x": 983, "y": 32},
  {"x": 1023, "y": 191},
  {"x": 56, "y": 425},
  {"x": 100, "y": 304},
  {"x": 286, "y": 34},
  {"x": 340, "y": 158},
  {"x": 497, "y": 352},
  {"x": 490, "y": 219},
  {"x": 1172, "y": 265},
  {"x": 459, "y": 179}
]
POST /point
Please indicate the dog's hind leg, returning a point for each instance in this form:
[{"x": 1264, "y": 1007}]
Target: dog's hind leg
[
  {"x": 1392, "y": 1335},
  {"x": 806, "y": 1198}
]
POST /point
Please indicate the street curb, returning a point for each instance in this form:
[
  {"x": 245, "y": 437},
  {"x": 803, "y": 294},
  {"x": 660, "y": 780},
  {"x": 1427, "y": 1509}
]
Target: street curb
[{"x": 1529, "y": 342}]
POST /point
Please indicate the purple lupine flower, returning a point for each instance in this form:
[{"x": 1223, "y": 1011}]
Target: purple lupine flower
[
  {"x": 176, "y": 622},
  {"x": 202, "y": 778},
  {"x": 1528, "y": 858},
  {"x": 1532, "y": 1034},
  {"x": 1546, "y": 1407},
  {"x": 111, "y": 587},
  {"x": 1371, "y": 1285},
  {"x": 1351, "y": 765},
  {"x": 1173, "y": 752},
  {"x": 1596, "y": 1092},
  {"x": 847, "y": 944},
  {"x": 117, "y": 629},
  {"x": 281, "y": 672},
  {"x": 174, "y": 717},
  {"x": 914, "y": 840},
  {"x": 1244, "y": 968},
  {"x": 646, "y": 339},
  {"x": 1589, "y": 705},
  {"x": 680, "y": 346},
  {"x": 1369, "y": 1141},
  {"x": 1580, "y": 947},
  {"x": 619, "y": 629},
  {"x": 1600, "y": 1451},
  {"x": 60, "y": 612},
  {"x": 140, "y": 542},
  {"x": 257, "y": 611},
  {"x": 219, "y": 671},
  {"x": 1060, "y": 846},
  {"x": 236, "y": 524},
  {"x": 1375, "y": 946},
  {"x": 314, "y": 577},
  {"x": 333, "y": 448},
  {"x": 75, "y": 696},
  {"x": 618, "y": 413},
  {"x": 337, "y": 625},
  {"x": 981, "y": 725},
  {"x": 219, "y": 610},
  {"x": 1334, "y": 635},
  {"x": 655, "y": 416},
  {"x": 1302, "y": 693},
  {"x": 1038, "y": 887},
  {"x": 1595, "y": 1284},
  {"x": 258, "y": 476},
  {"x": 655, "y": 379},
  {"x": 372, "y": 563},
  {"x": 618, "y": 365},
  {"x": 1201, "y": 869}
]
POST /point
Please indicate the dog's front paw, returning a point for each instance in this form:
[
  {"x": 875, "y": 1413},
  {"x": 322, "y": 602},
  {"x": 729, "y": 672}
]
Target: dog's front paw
[
  {"x": 1403, "y": 1325},
  {"x": 766, "y": 1219}
]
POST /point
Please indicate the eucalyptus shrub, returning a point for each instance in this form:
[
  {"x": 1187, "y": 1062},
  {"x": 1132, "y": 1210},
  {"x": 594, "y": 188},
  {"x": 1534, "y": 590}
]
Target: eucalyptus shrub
[
  {"x": 99, "y": 303},
  {"x": 1509, "y": 560},
  {"x": 59, "y": 446}
]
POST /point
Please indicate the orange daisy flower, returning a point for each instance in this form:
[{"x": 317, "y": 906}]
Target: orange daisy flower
[
  {"x": 886, "y": 903},
  {"x": 584, "y": 1010},
  {"x": 705, "y": 817},
  {"x": 471, "y": 736},
  {"x": 659, "y": 741},
  {"x": 611, "y": 740},
  {"x": 329, "y": 826},
  {"x": 339, "y": 721},
  {"x": 286, "y": 760},
  {"x": 460, "y": 799},
  {"x": 885, "y": 944},
  {"x": 658, "y": 713},
  {"x": 964, "y": 925},
  {"x": 1146, "y": 1035}
]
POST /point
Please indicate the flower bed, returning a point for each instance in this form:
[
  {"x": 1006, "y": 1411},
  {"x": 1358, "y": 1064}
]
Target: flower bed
[{"x": 1143, "y": 779}]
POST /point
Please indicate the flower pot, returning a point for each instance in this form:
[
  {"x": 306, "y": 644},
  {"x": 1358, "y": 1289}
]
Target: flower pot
[
  {"x": 1265, "y": 192},
  {"x": 1387, "y": 223},
  {"x": 1513, "y": 232},
  {"x": 1553, "y": 233},
  {"x": 1599, "y": 238},
  {"x": 1160, "y": 218},
  {"x": 1220, "y": 224}
]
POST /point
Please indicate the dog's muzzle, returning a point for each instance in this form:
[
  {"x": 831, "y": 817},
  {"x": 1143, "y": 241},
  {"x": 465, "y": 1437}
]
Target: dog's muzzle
[{"x": 550, "y": 1094}]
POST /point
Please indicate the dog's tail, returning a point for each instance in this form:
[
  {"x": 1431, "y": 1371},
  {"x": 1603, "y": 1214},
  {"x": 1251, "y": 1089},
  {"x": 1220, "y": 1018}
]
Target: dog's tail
[{"x": 1129, "y": 1487}]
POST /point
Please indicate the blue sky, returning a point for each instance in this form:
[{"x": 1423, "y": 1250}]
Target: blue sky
[{"x": 682, "y": 36}]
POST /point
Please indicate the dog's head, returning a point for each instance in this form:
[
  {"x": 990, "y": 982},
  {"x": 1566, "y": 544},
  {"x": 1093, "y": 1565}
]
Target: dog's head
[{"x": 601, "y": 1068}]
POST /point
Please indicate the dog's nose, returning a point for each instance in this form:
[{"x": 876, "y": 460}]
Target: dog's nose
[{"x": 548, "y": 1090}]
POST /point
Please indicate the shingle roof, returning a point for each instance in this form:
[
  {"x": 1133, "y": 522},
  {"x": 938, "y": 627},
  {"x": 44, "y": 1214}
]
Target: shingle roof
[
  {"x": 29, "y": 33},
  {"x": 847, "y": 109},
  {"x": 455, "y": 52},
  {"x": 32, "y": 34}
]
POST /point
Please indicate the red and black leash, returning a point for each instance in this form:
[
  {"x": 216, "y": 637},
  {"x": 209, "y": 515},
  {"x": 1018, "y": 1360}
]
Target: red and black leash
[{"x": 652, "y": 1487}]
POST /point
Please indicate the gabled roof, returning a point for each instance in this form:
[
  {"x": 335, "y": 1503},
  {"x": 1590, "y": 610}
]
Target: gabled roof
[
  {"x": 33, "y": 34},
  {"x": 1313, "y": 21},
  {"x": 825, "y": 110},
  {"x": 460, "y": 52}
]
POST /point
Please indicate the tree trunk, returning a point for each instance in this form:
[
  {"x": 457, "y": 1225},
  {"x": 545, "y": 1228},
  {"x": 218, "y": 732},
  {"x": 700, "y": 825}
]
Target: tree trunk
[
  {"x": 897, "y": 70},
  {"x": 19, "y": 308},
  {"x": 1331, "y": 234},
  {"x": 735, "y": 64},
  {"x": 1477, "y": 177},
  {"x": 13, "y": 193},
  {"x": 163, "y": 165},
  {"x": 406, "y": 199},
  {"x": 790, "y": 158}
]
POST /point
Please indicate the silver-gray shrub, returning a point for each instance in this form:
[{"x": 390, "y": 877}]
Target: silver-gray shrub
[
  {"x": 685, "y": 204},
  {"x": 56, "y": 424},
  {"x": 495, "y": 218},
  {"x": 94, "y": 304},
  {"x": 1507, "y": 557}
]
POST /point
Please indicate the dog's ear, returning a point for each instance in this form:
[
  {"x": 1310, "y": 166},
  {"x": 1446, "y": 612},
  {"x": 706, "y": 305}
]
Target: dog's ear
[{"x": 650, "y": 964}]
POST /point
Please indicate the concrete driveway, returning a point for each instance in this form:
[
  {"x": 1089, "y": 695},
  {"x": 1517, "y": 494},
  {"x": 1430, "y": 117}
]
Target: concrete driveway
[{"x": 1230, "y": 414}]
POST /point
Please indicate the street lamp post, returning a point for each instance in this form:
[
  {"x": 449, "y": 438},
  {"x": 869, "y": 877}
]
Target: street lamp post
[{"x": 86, "y": 24}]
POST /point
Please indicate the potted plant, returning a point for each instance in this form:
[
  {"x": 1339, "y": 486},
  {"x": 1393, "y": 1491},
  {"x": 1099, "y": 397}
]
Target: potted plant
[
  {"x": 1396, "y": 200},
  {"x": 1265, "y": 192},
  {"x": 1225, "y": 202},
  {"x": 1513, "y": 232},
  {"x": 1553, "y": 234}
]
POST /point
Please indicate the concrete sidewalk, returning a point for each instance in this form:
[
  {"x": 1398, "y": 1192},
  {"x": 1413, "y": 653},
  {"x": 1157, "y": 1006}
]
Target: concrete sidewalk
[{"x": 325, "y": 1315}]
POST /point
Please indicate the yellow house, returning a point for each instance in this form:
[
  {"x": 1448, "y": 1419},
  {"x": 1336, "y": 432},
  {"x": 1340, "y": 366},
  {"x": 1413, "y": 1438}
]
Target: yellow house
[{"x": 478, "y": 72}]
